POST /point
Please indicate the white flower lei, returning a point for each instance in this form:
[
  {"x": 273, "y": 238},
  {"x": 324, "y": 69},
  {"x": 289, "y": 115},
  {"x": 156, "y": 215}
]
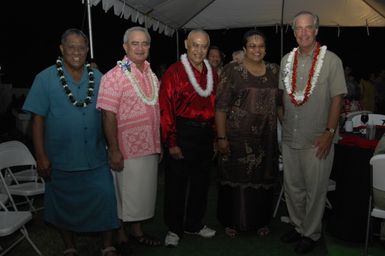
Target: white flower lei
[
  {"x": 299, "y": 95},
  {"x": 153, "y": 98},
  {"x": 192, "y": 79}
]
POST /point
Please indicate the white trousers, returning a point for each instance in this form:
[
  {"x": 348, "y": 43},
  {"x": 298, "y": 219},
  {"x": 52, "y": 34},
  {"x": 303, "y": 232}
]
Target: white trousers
[{"x": 306, "y": 180}]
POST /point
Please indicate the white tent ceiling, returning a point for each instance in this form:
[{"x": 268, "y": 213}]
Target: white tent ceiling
[{"x": 167, "y": 16}]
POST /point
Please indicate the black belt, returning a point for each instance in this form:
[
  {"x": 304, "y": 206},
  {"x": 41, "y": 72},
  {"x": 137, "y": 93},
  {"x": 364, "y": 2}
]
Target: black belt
[{"x": 193, "y": 123}]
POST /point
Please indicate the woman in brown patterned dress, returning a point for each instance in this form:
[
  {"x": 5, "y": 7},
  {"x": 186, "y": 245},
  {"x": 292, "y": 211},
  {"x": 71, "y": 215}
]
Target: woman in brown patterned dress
[{"x": 246, "y": 119}]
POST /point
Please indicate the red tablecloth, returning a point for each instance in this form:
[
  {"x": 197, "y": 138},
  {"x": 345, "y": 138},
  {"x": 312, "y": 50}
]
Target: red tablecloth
[{"x": 358, "y": 140}]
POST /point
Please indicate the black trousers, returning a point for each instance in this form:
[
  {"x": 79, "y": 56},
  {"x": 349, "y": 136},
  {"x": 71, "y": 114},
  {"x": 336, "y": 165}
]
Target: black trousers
[{"x": 187, "y": 180}]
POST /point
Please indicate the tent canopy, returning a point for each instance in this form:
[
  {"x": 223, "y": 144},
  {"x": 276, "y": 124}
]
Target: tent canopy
[{"x": 167, "y": 16}]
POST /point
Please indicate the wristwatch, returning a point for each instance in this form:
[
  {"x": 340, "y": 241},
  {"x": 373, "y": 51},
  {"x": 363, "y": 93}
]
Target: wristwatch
[{"x": 331, "y": 130}]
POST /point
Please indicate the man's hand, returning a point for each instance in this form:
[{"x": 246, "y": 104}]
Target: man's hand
[
  {"x": 116, "y": 160},
  {"x": 176, "y": 153},
  {"x": 43, "y": 166},
  {"x": 323, "y": 144}
]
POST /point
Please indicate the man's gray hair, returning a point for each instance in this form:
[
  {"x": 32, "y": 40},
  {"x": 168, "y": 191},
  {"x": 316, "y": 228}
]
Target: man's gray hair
[
  {"x": 198, "y": 30},
  {"x": 133, "y": 29},
  {"x": 315, "y": 18}
]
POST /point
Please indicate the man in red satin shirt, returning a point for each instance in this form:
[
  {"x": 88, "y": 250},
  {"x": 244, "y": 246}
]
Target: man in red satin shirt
[{"x": 186, "y": 99}]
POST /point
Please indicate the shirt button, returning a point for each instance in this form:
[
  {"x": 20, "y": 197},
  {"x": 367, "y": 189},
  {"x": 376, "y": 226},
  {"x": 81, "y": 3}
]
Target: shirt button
[
  {"x": 295, "y": 130},
  {"x": 85, "y": 128},
  {"x": 83, "y": 114},
  {"x": 301, "y": 78},
  {"x": 85, "y": 142}
]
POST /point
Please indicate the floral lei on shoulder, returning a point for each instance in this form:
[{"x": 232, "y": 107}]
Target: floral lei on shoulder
[
  {"x": 152, "y": 99},
  {"x": 300, "y": 97}
]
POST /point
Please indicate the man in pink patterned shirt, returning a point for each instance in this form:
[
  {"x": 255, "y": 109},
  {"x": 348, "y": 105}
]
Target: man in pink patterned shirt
[{"x": 128, "y": 97}]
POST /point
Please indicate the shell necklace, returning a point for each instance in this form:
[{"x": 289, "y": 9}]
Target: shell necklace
[
  {"x": 152, "y": 99},
  {"x": 300, "y": 97},
  {"x": 67, "y": 90},
  {"x": 191, "y": 77}
]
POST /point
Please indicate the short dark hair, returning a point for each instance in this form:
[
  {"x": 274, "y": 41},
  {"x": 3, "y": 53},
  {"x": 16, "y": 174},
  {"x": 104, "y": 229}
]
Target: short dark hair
[
  {"x": 73, "y": 31},
  {"x": 214, "y": 47},
  {"x": 252, "y": 32}
]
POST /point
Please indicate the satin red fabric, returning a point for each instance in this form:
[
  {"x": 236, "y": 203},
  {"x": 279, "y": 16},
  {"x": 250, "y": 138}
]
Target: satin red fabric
[{"x": 177, "y": 98}]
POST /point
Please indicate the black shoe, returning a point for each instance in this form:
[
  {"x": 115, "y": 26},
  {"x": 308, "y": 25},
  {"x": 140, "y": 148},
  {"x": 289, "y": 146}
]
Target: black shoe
[
  {"x": 291, "y": 236},
  {"x": 305, "y": 245}
]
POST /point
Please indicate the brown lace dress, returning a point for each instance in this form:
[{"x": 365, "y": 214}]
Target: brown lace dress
[{"x": 248, "y": 176}]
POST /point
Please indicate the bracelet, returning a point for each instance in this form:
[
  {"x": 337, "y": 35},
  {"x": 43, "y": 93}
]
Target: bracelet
[{"x": 221, "y": 138}]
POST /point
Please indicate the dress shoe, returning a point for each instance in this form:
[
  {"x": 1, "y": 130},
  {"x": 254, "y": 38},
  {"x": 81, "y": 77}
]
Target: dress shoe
[
  {"x": 305, "y": 245},
  {"x": 291, "y": 236}
]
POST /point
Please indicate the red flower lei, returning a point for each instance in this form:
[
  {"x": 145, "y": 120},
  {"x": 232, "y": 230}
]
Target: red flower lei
[{"x": 308, "y": 84}]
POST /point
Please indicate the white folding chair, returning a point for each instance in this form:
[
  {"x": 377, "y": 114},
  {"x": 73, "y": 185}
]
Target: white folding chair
[
  {"x": 375, "y": 119},
  {"x": 331, "y": 187},
  {"x": 12, "y": 221},
  {"x": 14, "y": 154},
  {"x": 378, "y": 182}
]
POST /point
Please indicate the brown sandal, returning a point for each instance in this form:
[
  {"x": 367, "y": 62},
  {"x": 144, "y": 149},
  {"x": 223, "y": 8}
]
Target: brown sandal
[
  {"x": 106, "y": 251},
  {"x": 70, "y": 252},
  {"x": 230, "y": 232},
  {"x": 146, "y": 240},
  {"x": 264, "y": 231}
]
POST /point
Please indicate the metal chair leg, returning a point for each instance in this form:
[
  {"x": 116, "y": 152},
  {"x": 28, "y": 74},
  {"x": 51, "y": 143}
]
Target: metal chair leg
[{"x": 368, "y": 226}]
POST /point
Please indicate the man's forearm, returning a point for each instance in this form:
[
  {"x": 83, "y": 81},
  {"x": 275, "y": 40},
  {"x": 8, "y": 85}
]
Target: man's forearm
[
  {"x": 38, "y": 136},
  {"x": 334, "y": 112},
  {"x": 110, "y": 129}
]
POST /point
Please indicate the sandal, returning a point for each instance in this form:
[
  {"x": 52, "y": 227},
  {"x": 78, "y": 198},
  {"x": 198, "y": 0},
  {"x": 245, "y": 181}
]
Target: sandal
[
  {"x": 124, "y": 248},
  {"x": 264, "y": 231},
  {"x": 70, "y": 252},
  {"x": 230, "y": 232},
  {"x": 146, "y": 240},
  {"x": 106, "y": 251}
]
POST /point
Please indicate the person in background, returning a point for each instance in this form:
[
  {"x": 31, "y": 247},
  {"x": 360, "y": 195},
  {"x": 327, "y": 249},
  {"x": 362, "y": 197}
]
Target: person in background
[
  {"x": 368, "y": 90},
  {"x": 238, "y": 56},
  {"x": 352, "y": 98},
  {"x": 379, "y": 85},
  {"x": 187, "y": 98},
  {"x": 313, "y": 84},
  {"x": 246, "y": 122},
  {"x": 70, "y": 147},
  {"x": 128, "y": 98},
  {"x": 215, "y": 57}
]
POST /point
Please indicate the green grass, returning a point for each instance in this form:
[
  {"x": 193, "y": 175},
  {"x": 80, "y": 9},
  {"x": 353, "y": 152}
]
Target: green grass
[{"x": 50, "y": 243}]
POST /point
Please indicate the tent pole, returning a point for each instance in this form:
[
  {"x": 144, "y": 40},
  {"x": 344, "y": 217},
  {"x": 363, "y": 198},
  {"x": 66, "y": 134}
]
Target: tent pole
[
  {"x": 177, "y": 44},
  {"x": 282, "y": 11},
  {"x": 90, "y": 29}
]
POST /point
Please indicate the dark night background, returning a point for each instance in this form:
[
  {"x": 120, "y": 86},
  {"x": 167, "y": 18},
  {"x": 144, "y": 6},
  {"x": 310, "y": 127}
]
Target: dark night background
[{"x": 31, "y": 30}]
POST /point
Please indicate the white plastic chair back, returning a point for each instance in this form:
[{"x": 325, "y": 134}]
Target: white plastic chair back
[
  {"x": 378, "y": 163},
  {"x": 375, "y": 119},
  {"x": 350, "y": 115}
]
